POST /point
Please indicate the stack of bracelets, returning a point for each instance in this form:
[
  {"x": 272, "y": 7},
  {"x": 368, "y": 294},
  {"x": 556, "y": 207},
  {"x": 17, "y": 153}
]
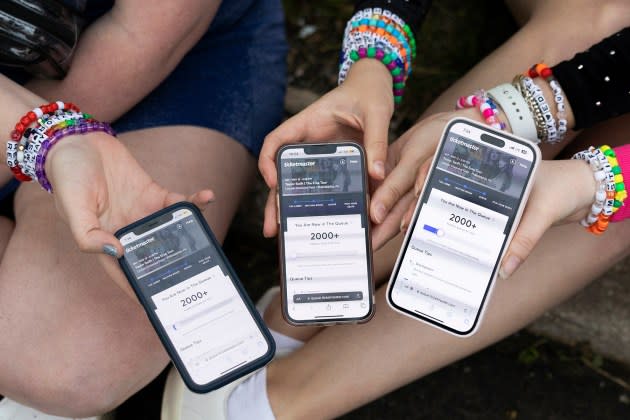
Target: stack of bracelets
[
  {"x": 611, "y": 190},
  {"x": 382, "y": 35},
  {"x": 531, "y": 117},
  {"x": 525, "y": 106},
  {"x": 38, "y": 131}
]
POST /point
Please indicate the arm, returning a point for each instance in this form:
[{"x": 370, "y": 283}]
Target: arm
[
  {"x": 99, "y": 186},
  {"x": 127, "y": 52}
]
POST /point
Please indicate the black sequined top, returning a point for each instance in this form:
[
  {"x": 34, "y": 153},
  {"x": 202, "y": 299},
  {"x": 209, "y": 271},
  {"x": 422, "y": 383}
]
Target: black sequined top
[{"x": 597, "y": 82}]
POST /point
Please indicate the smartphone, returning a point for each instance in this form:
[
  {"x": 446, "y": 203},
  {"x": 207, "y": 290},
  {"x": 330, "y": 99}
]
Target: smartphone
[
  {"x": 466, "y": 215},
  {"x": 198, "y": 307},
  {"x": 325, "y": 249}
]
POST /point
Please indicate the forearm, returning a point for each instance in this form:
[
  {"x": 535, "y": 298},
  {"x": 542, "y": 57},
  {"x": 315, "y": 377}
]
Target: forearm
[
  {"x": 15, "y": 101},
  {"x": 127, "y": 52},
  {"x": 539, "y": 39}
]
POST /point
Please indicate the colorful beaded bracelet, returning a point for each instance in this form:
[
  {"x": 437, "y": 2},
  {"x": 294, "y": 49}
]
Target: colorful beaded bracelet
[
  {"x": 545, "y": 72},
  {"x": 387, "y": 29},
  {"x": 385, "y": 19},
  {"x": 486, "y": 106},
  {"x": 380, "y": 34},
  {"x": 622, "y": 160},
  {"x": 390, "y": 61},
  {"x": 25, "y": 122},
  {"x": 621, "y": 193},
  {"x": 81, "y": 128},
  {"x": 610, "y": 192}
]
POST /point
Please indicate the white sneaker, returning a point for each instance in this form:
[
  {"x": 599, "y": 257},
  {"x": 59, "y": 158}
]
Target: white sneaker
[
  {"x": 179, "y": 403},
  {"x": 11, "y": 410}
]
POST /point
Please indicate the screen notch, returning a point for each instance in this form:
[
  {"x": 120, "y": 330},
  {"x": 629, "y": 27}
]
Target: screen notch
[
  {"x": 492, "y": 140},
  {"x": 166, "y": 217},
  {"x": 320, "y": 149}
]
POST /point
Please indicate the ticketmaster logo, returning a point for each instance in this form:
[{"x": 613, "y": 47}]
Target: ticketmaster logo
[
  {"x": 463, "y": 143},
  {"x": 291, "y": 164},
  {"x": 143, "y": 243}
]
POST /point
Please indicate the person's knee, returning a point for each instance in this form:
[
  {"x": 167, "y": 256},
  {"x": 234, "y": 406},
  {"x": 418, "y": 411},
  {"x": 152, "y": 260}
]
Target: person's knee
[{"x": 75, "y": 389}]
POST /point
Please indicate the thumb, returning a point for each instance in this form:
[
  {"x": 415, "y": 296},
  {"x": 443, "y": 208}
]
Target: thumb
[
  {"x": 88, "y": 234},
  {"x": 375, "y": 139},
  {"x": 528, "y": 233}
]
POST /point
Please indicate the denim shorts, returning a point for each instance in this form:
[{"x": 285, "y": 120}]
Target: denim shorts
[{"x": 233, "y": 80}]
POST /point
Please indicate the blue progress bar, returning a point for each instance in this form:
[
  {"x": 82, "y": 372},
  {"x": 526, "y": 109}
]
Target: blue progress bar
[
  {"x": 431, "y": 229},
  {"x": 436, "y": 231}
]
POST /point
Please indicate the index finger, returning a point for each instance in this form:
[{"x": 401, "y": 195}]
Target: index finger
[{"x": 292, "y": 130}]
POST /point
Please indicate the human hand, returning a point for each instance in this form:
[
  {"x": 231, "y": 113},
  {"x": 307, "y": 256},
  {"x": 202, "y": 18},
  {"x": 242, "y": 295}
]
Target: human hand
[
  {"x": 99, "y": 187},
  {"x": 360, "y": 109},
  {"x": 563, "y": 192},
  {"x": 411, "y": 153}
]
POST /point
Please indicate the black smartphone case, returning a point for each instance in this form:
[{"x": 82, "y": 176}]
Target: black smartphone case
[{"x": 232, "y": 376}]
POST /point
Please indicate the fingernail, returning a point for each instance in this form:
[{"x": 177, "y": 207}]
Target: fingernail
[
  {"x": 110, "y": 250},
  {"x": 509, "y": 266},
  {"x": 403, "y": 226},
  {"x": 380, "y": 212},
  {"x": 210, "y": 200},
  {"x": 416, "y": 190},
  {"x": 379, "y": 169}
]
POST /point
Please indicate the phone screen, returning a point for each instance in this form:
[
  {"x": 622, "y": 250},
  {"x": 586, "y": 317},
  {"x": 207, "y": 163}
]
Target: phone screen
[
  {"x": 183, "y": 279},
  {"x": 325, "y": 241},
  {"x": 461, "y": 226}
]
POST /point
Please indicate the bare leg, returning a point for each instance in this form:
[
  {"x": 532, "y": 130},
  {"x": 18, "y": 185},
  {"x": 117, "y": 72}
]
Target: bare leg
[
  {"x": 529, "y": 45},
  {"x": 301, "y": 385},
  {"x": 392, "y": 350},
  {"x": 72, "y": 342}
]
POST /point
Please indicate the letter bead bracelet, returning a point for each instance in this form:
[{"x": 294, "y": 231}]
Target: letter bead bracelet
[
  {"x": 38, "y": 131},
  {"x": 611, "y": 191}
]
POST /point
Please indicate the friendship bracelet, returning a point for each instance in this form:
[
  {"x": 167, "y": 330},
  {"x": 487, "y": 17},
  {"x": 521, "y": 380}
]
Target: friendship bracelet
[
  {"x": 622, "y": 160},
  {"x": 536, "y": 100},
  {"x": 79, "y": 129},
  {"x": 388, "y": 59},
  {"x": 608, "y": 189},
  {"x": 380, "y": 34},
  {"x": 486, "y": 106},
  {"x": 516, "y": 110},
  {"x": 545, "y": 72},
  {"x": 620, "y": 187},
  {"x": 539, "y": 119},
  {"x": 28, "y": 162},
  {"x": 16, "y": 143},
  {"x": 385, "y": 19}
]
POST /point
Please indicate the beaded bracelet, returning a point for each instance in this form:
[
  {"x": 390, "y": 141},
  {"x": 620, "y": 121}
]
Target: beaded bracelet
[
  {"x": 539, "y": 118},
  {"x": 380, "y": 34},
  {"x": 621, "y": 159},
  {"x": 21, "y": 155},
  {"x": 620, "y": 187},
  {"x": 39, "y": 130},
  {"x": 17, "y": 141},
  {"x": 545, "y": 72},
  {"x": 486, "y": 106},
  {"x": 78, "y": 129},
  {"x": 386, "y": 21},
  {"x": 610, "y": 192},
  {"x": 537, "y": 99},
  {"x": 390, "y": 61}
]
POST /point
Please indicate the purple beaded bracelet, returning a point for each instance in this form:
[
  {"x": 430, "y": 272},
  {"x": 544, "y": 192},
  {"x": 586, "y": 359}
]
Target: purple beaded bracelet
[{"x": 82, "y": 127}]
